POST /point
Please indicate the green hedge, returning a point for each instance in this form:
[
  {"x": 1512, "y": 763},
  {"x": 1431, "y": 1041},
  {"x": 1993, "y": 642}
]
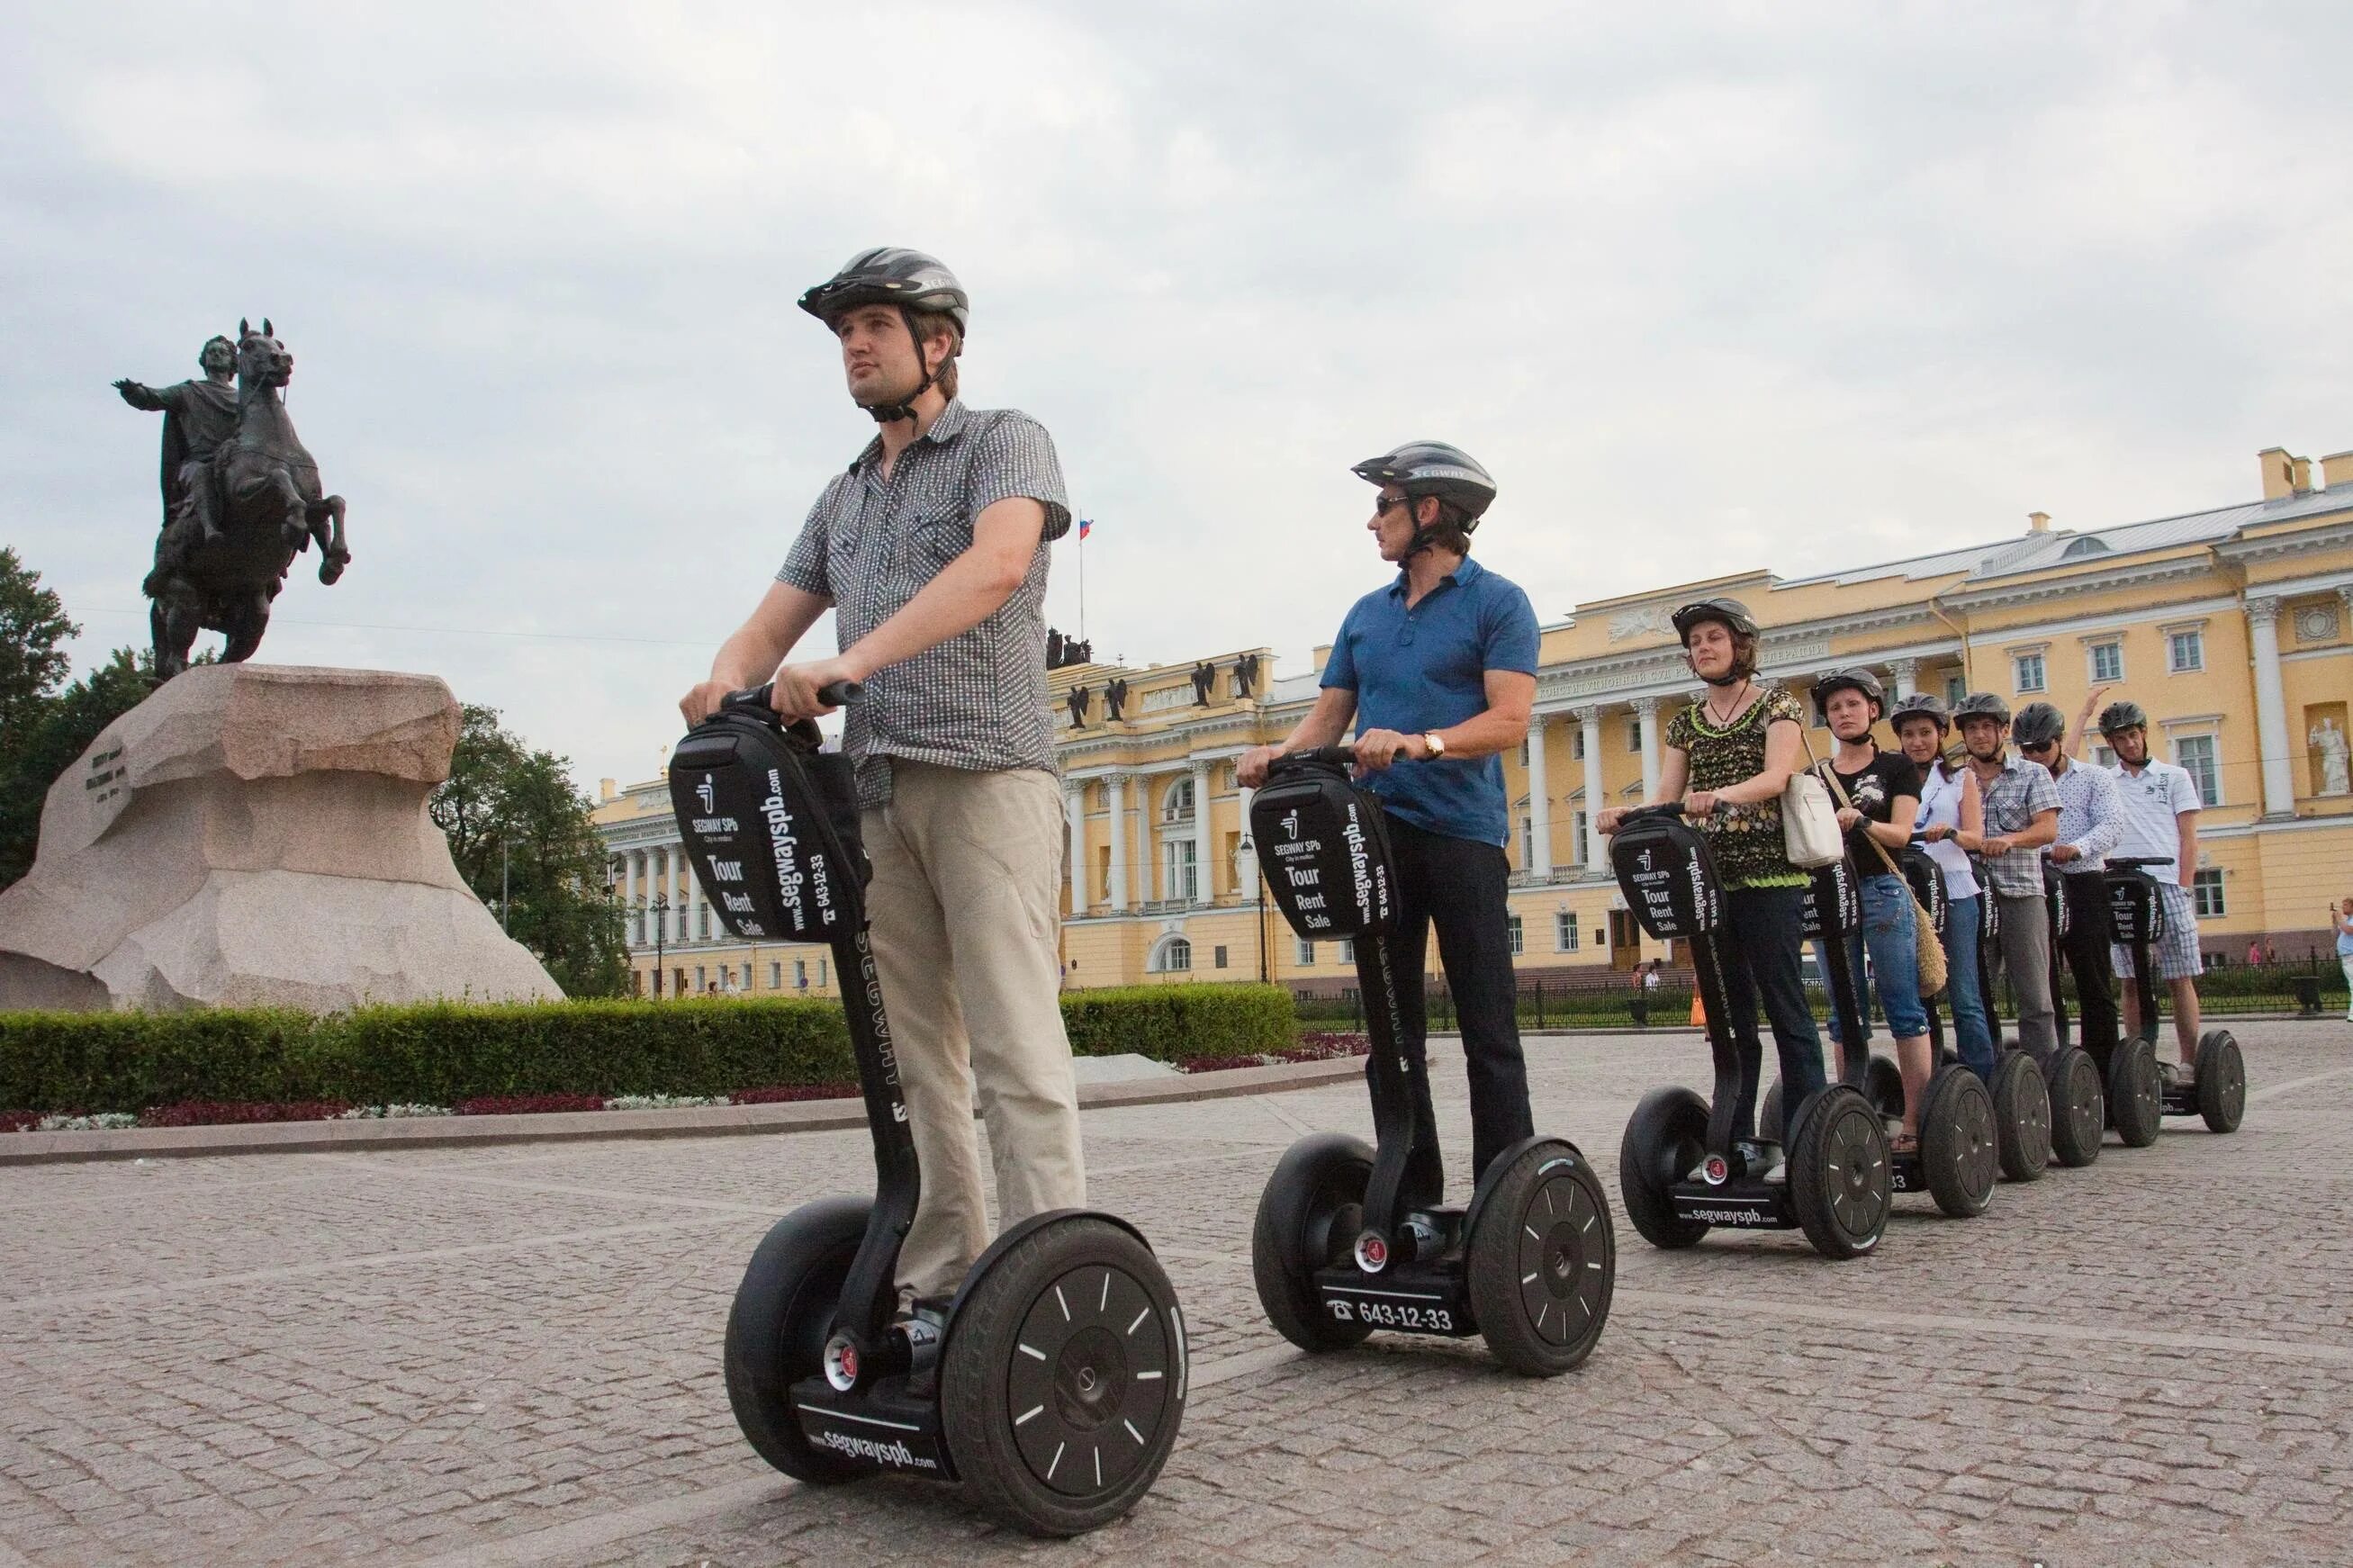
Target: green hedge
[{"x": 437, "y": 1053}]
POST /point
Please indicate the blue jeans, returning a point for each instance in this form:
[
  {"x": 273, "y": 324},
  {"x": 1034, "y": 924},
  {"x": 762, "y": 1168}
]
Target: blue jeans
[
  {"x": 1764, "y": 934},
  {"x": 1972, "y": 1035},
  {"x": 1888, "y": 933}
]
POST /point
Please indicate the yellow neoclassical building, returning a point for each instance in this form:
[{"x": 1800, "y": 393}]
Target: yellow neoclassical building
[{"x": 2233, "y": 627}]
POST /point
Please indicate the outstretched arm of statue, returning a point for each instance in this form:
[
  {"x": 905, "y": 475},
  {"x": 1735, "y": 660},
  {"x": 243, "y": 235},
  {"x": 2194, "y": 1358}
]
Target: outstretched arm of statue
[{"x": 140, "y": 396}]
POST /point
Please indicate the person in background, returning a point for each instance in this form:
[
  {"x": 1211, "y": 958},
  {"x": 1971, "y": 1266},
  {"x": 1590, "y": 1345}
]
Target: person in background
[
  {"x": 1951, "y": 824},
  {"x": 2021, "y": 815},
  {"x": 2091, "y": 823},
  {"x": 2341, "y": 918}
]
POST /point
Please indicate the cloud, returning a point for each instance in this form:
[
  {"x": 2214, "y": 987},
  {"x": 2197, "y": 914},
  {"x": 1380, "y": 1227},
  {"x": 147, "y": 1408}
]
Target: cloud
[{"x": 1711, "y": 289}]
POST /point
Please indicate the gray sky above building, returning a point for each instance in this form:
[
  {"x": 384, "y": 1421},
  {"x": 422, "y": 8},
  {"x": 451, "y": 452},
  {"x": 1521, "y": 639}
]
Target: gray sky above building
[{"x": 1707, "y": 289}]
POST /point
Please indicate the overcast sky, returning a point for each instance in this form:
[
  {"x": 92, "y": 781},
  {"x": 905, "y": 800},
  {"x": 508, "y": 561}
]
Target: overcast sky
[{"x": 1708, "y": 288}]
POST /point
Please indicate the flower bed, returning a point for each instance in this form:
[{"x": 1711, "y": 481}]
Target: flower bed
[
  {"x": 1318, "y": 1046},
  {"x": 226, "y": 1113}
]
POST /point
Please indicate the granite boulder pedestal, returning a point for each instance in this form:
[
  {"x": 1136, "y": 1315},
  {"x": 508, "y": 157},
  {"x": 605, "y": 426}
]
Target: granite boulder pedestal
[{"x": 257, "y": 835}]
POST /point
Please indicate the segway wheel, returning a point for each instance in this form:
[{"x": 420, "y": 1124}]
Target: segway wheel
[
  {"x": 1882, "y": 1085},
  {"x": 2222, "y": 1082},
  {"x": 1840, "y": 1178},
  {"x": 1542, "y": 1263},
  {"x": 1062, "y": 1383},
  {"x": 2136, "y": 1093},
  {"x": 2079, "y": 1112},
  {"x": 1768, "y": 1114},
  {"x": 1664, "y": 1141},
  {"x": 2021, "y": 1103},
  {"x": 1958, "y": 1142},
  {"x": 1313, "y": 1205},
  {"x": 777, "y": 1332}
]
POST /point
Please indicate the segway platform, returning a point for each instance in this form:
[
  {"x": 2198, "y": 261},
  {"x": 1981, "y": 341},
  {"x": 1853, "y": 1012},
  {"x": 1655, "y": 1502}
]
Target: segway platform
[
  {"x": 1345, "y": 1240},
  {"x": 1053, "y": 1384}
]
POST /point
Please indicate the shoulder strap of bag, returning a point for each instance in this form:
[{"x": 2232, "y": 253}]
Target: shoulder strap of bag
[{"x": 1838, "y": 793}]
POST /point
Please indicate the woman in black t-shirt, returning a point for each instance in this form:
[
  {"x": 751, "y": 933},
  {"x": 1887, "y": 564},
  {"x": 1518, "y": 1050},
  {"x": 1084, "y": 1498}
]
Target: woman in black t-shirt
[{"x": 1883, "y": 797}]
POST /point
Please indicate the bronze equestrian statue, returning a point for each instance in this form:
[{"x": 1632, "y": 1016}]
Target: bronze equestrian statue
[{"x": 241, "y": 499}]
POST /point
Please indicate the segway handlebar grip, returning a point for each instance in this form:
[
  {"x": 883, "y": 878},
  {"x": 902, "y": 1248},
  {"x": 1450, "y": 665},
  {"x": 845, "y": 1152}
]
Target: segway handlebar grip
[
  {"x": 833, "y": 694},
  {"x": 2134, "y": 862},
  {"x": 1337, "y": 756},
  {"x": 1661, "y": 812}
]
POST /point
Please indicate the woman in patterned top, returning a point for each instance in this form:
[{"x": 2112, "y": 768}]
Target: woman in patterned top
[{"x": 1734, "y": 751}]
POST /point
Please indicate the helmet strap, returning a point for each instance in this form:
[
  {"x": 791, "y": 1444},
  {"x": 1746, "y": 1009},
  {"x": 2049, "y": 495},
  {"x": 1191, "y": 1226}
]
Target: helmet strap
[{"x": 892, "y": 413}]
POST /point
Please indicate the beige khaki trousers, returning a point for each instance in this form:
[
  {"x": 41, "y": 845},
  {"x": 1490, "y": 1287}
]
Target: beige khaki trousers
[{"x": 965, "y": 913}]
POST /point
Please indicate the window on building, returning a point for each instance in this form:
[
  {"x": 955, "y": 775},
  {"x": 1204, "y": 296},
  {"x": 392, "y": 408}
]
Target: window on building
[
  {"x": 821, "y": 972},
  {"x": 1527, "y": 842},
  {"x": 637, "y": 982},
  {"x": 2206, "y": 893},
  {"x": 747, "y": 975},
  {"x": 1179, "y": 874},
  {"x": 2185, "y": 651},
  {"x": 2102, "y": 755},
  {"x": 777, "y": 975},
  {"x": 702, "y": 979},
  {"x": 1524, "y": 753},
  {"x": 1581, "y": 830},
  {"x": 1955, "y": 689},
  {"x": 1174, "y": 955},
  {"x": 1634, "y": 734},
  {"x": 1179, "y": 801},
  {"x": 2107, "y": 661},
  {"x": 1577, "y": 744},
  {"x": 1347, "y": 950},
  {"x": 1518, "y": 934},
  {"x": 800, "y": 974},
  {"x": 2195, "y": 755},
  {"x": 1305, "y": 951},
  {"x": 678, "y": 981},
  {"x": 1564, "y": 931},
  {"x": 702, "y": 920},
  {"x": 1217, "y": 957},
  {"x": 2026, "y": 671}
]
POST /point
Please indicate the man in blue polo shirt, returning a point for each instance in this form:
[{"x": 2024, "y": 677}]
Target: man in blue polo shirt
[{"x": 1438, "y": 669}]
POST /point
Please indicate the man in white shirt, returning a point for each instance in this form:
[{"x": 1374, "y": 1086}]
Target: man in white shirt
[{"x": 2160, "y": 806}]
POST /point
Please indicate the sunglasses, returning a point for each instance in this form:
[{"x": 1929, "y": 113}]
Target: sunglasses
[
  {"x": 2036, "y": 748},
  {"x": 1384, "y": 505}
]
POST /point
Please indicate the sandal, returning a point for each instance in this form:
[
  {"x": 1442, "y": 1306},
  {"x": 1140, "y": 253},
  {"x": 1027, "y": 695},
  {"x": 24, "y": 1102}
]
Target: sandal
[{"x": 1904, "y": 1143}]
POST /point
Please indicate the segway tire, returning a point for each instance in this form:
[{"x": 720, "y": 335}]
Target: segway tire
[
  {"x": 2135, "y": 1094},
  {"x": 2022, "y": 1117},
  {"x": 1542, "y": 1263},
  {"x": 776, "y": 1332},
  {"x": 2222, "y": 1082},
  {"x": 1663, "y": 1141},
  {"x": 1314, "y": 1200},
  {"x": 1882, "y": 1085},
  {"x": 1958, "y": 1145},
  {"x": 1840, "y": 1182},
  {"x": 1062, "y": 1381},
  {"x": 2079, "y": 1112},
  {"x": 1768, "y": 1114}
]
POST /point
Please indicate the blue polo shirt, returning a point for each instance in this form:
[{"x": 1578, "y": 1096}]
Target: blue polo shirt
[{"x": 1425, "y": 669}]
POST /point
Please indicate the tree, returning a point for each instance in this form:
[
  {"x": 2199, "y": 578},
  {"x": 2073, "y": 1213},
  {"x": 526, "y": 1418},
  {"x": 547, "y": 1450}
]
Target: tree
[
  {"x": 32, "y": 627},
  {"x": 514, "y": 821}
]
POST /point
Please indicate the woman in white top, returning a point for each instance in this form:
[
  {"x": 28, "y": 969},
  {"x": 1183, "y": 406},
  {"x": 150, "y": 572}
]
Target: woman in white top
[{"x": 1952, "y": 821}]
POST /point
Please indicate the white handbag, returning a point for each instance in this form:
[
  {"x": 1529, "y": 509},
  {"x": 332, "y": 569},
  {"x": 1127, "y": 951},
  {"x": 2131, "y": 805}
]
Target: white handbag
[{"x": 1810, "y": 830}]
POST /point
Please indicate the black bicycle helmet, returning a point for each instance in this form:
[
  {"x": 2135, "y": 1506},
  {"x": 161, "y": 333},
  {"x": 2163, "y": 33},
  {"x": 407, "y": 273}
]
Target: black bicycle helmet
[
  {"x": 1982, "y": 705},
  {"x": 1921, "y": 705},
  {"x": 1730, "y": 612},
  {"x": 2125, "y": 715},
  {"x": 1850, "y": 679},
  {"x": 909, "y": 282},
  {"x": 2038, "y": 724},
  {"x": 1433, "y": 468}
]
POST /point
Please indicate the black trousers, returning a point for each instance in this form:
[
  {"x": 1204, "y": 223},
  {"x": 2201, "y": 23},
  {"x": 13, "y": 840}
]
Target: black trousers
[
  {"x": 1457, "y": 885},
  {"x": 2086, "y": 949}
]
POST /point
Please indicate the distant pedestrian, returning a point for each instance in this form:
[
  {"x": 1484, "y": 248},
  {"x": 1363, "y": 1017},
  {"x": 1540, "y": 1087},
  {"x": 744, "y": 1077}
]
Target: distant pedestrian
[
  {"x": 2255, "y": 953},
  {"x": 1642, "y": 981},
  {"x": 2342, "y": 918}
]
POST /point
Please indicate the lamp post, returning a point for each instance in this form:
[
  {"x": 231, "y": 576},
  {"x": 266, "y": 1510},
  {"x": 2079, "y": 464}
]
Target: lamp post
[{"x": 659, "y": 907}]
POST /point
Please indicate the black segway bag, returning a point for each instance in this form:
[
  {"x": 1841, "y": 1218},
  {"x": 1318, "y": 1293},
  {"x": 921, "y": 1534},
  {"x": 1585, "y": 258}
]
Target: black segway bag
[
  {"x": 1668, "y": 874},
  {"x": 1323, "y": 849},
  {"x": 2134, "y": 908},
  {"x": 1927, "y": 880},
  {"x": 772, "y": 824}
]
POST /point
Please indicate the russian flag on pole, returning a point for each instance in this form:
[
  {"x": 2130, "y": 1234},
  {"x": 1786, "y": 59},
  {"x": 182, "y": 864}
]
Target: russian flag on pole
[{"x": 1086, "y": 526}]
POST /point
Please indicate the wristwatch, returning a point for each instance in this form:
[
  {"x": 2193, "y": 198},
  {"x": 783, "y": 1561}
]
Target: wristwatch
[{"x": 1435, "y": 743}]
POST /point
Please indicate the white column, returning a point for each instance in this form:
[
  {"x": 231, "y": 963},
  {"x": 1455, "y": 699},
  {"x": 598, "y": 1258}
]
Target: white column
[
  {"x": 1246, "y": 863},
  {"x": 1204, "y": 856},
  {"x": 1116, "y": 787},
  {"x": 1074, "y": 815},
  {"x": 2271, "y": 709},
  {"x": 1596, "y": 856},
  {"x": 1646, "y": 709},
  {"x": 1539, "y": 800},
  {"x": 1906, "y": 671},
  {"x": 681, "y": 890}
]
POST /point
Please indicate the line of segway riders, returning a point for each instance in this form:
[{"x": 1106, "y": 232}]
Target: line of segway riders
[{"x": 1944, "y": 868}]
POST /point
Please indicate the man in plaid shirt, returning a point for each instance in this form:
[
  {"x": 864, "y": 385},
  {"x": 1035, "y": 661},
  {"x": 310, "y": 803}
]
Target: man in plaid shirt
[
  {"x": 2021, "y": 815},
  {"x": 2091, "y": 823}
]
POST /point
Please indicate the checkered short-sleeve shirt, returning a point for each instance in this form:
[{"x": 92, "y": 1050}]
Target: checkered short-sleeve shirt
[{"x": 977, "y": 700}]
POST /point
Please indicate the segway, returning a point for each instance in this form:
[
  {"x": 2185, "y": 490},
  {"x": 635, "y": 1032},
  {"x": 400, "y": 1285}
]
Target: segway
[
  {"x": 2021, "y": 1099},
  {"x": 1349, "y": 1240},
  {"x": 2079, "y": 1101},
  {"x": 1957, "y": 1155},
  {"x": 2218, "y": 1091},
  {"x": 1683, "y": 1166},
  {"x": 1052, "y": 1385}
]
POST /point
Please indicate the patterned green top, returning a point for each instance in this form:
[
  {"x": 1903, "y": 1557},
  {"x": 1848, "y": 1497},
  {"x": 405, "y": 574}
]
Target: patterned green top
[{"x": 1747, "y": 839}]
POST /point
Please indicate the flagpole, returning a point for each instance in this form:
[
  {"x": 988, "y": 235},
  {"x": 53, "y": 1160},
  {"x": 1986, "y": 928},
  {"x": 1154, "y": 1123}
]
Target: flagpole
[{"x": 1082, "y": 580}]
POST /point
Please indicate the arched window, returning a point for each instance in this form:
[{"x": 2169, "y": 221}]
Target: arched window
[
  {"x": 1173, "y": 955},
  {"x": 1177, "y": 801}
]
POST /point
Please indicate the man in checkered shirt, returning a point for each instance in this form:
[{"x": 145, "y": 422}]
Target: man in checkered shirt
[
  {"x": 931, "y": 550},
  {"x": 2021, "y": 815},
  {"x": 2090, "y": 823}
]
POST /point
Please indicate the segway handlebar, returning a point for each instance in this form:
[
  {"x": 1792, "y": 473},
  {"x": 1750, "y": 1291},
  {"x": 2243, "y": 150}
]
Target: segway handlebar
[
  {"x": 1337, "y": 756},
  {"x": 833, "y": 694},
  {"x": 1659, "y": 812},
  {"x": 2135, "y": 862}
]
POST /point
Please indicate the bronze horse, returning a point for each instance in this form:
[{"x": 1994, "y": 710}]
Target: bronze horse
[{"x": 228, "y": 549}]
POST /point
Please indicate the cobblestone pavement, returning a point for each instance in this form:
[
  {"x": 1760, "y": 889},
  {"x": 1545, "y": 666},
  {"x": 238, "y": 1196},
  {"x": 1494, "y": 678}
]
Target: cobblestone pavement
[{"x": 510, "y": 1357}]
